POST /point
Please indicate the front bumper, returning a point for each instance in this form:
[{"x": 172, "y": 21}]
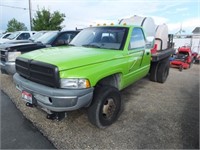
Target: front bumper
[
  {"x": 54, "y": 99},
  {"x": 8, "y": 67}
]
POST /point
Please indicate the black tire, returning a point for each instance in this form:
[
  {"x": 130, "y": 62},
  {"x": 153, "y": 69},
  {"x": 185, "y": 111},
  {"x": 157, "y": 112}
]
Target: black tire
[
  {"x": 163, "y": 71},
  {"x": 105, "y": 107},
  {"x": 153, "y": 71},
  {"x": 180, "y": 68}
]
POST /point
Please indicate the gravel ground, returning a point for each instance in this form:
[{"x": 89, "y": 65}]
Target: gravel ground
[{"x": 164, "y": 116}]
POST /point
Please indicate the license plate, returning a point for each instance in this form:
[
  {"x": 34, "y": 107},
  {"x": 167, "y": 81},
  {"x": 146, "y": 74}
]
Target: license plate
[{"x": 27, "y": 97}]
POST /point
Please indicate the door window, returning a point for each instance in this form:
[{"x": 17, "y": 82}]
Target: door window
[
  {"x": 137, "y": 39},
  {"x": 23, "y": 36}
]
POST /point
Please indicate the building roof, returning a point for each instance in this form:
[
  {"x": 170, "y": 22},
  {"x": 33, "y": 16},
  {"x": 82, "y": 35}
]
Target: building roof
[{"x": 196, "y": 30}]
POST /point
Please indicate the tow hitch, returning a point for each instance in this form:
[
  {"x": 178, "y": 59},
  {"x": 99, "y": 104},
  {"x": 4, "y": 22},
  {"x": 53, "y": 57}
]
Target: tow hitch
[{"x": 58, "y": 116}]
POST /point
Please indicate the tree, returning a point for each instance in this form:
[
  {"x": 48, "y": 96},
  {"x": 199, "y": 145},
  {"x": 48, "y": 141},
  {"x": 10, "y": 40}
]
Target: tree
[
  {"x": 45, "y": 20},
  {"x": 14, "y": 25}
]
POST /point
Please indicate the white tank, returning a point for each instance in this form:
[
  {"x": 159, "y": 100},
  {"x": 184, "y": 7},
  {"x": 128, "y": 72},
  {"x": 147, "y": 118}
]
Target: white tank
[
  {"x": 147, "y": 23},
  {"x": 161, "y": 37}
]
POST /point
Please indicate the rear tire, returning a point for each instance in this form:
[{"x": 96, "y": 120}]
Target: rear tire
[
  {"x": 153, "y": 71},
  {"x": 105, "y": 107},
  {"x": 163, "y": 71}
]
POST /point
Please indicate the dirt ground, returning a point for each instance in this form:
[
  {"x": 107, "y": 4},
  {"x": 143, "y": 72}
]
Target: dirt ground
[{"x": 164, "y": 116}]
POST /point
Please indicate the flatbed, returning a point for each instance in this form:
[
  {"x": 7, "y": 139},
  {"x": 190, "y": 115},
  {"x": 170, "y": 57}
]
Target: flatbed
[{"x": 160, "y": 55}]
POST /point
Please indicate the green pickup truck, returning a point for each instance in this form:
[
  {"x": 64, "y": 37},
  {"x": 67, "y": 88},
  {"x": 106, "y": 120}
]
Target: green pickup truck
[{"x": 90, "y": 72}]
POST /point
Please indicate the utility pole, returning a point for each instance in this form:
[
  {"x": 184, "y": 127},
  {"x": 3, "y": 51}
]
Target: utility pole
[{"x": 30, "y": 14}]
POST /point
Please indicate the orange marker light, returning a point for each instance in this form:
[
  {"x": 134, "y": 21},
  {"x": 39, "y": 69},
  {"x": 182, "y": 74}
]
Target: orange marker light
[{"x": 87, "y": 84}]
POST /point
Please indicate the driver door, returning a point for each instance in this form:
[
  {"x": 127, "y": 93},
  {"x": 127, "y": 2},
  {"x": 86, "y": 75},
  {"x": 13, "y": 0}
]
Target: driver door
[{"x": 137, "y": 55}]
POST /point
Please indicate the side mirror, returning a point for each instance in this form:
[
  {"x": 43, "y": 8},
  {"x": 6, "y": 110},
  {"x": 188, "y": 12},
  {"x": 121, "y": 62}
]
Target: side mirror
[{"x": 150, "y": 42}]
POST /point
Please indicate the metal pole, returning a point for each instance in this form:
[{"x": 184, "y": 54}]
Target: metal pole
[{"x": 30, "y": 15}]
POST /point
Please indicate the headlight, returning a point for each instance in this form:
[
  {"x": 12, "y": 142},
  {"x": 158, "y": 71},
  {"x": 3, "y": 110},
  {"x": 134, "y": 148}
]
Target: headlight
[
  {"x": 13, "y": 55},
  {"x": 74, "y": 83}
]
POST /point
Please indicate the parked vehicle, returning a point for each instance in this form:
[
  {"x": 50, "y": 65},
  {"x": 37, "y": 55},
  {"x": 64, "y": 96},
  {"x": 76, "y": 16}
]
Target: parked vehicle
[
  {"x": 31, "y": 39},
  {"x": 183, "y": 58},
  {"x": 100, "y": 62},
  {"x": 9, "y": 52},
  {"x": 18, "y": 35}
]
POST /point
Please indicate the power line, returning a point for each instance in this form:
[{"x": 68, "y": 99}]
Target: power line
[
  {"x": 16, "y": 7},
  {"x": 84, "y": 20}
]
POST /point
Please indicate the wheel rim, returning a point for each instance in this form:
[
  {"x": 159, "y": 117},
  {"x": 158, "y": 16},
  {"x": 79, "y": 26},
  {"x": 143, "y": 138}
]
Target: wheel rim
[{"x": 109, "y": 108}]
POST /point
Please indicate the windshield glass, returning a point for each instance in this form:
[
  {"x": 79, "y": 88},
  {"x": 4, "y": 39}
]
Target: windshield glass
[
  {"x": 47, "y": 38},
  {"x": 36, "y": 36},
  {"x": 13, "y": 35},
  {"x": 101, "y": 37},
  {"x": 4, "y": 36}
]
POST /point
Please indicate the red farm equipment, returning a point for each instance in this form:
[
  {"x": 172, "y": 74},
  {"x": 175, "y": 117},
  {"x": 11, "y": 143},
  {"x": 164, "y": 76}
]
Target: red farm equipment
[{"x": 183, "y": 58}]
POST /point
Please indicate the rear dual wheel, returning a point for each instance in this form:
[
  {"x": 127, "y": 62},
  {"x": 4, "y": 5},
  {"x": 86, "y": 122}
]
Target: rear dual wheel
[
  {"x": 159, "y": 71},
  {"x": 163, "y": 71}
]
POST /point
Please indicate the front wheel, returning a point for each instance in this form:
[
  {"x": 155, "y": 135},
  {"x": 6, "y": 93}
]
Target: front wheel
[{"x": 105, "y": 107}]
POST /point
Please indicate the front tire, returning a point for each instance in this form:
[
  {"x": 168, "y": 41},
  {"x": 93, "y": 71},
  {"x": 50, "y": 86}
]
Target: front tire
[{"x": 105, "y": 107}]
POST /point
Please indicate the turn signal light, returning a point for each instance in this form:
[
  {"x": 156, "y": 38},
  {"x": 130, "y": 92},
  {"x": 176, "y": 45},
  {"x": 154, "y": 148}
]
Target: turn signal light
[{"x": 87, "y": 84}]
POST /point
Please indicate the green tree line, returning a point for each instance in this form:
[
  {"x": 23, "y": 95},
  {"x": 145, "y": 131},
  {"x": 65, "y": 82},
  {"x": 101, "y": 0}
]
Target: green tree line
[{"x": 43, "y": 20}]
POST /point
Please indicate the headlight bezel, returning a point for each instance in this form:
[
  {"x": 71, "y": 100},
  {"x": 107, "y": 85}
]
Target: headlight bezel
[{"x": 74, "y": 83}]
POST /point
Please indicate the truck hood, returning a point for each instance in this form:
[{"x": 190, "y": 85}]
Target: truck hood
[{"x": 72, "y": 57}]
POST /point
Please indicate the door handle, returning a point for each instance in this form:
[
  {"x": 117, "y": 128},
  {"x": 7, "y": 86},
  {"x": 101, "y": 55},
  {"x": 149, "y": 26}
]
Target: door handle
[{"x": 147, "y": 53}]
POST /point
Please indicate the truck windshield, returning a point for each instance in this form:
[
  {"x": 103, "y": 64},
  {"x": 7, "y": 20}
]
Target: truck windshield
[
  {"x": 47, "y": 38},
  {"x": 13, "y": 35},
  {"x": 101, "y": 37}
]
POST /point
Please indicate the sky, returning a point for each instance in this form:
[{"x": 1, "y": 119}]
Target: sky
[{"x": 83, "y": 13}]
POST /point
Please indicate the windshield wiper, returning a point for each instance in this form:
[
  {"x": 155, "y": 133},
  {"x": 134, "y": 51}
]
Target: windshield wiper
[{"x": 91, "y": 45}]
